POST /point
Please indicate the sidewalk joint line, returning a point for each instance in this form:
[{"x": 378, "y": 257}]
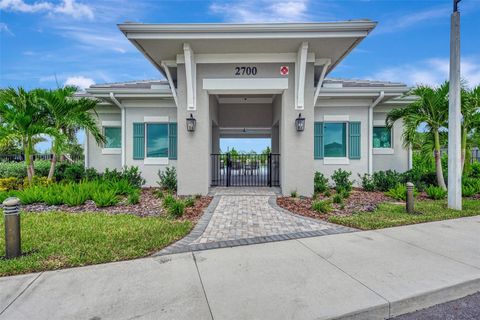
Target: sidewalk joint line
[
  {"x": 203, "y": 287},
  {"x": 18, "y": 296},
  {"x": 350, "y": 276}
]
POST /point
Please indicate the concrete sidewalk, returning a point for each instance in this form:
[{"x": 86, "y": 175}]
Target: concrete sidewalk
[{"x": 362, "y": 275}]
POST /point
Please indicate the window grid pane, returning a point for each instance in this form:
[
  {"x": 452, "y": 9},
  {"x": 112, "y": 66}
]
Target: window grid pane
[
  {"x": 335, "y": 139},
  {"x": 157, "y": 140},
  {"x": 113, "y": 137},
  {"x": 382, "y": 137}
]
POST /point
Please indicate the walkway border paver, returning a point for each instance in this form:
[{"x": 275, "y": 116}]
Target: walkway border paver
[{"x": 186, "y": 245}]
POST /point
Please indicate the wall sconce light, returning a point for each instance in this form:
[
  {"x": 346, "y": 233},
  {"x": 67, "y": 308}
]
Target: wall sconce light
[
  {"x": 300, "y": 123},
  {"x": 191, "y": 123}
]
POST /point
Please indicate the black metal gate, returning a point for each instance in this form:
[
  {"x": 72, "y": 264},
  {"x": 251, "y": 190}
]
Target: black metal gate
[{"x": 246, "y": 170}]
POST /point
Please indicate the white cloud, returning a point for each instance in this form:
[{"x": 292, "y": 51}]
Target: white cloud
[
  {"x": 4, "y": 29},
  {"x": 79, "y": 81},
  {"x": 432, "y": 72},
  {"x": 75, "y": 10},
  {"x": 98, "y": 39},
  {"x": 21, "y": 6},
  {"x": 69, "y": 8},
  {"x": 250, "y": 11}
]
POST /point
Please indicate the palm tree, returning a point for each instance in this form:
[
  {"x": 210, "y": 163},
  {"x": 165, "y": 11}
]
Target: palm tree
[
  {"x": 471, "y": 117},
  {"x": 431, "y": 109},
  {"x": 22, "y": 119},
  {"x": 66, "y": 115}
]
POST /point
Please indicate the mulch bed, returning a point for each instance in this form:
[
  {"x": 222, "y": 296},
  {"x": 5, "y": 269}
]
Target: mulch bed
[
  {"x": 358, "y": 201},
  {"x": 150, "y": 205}
]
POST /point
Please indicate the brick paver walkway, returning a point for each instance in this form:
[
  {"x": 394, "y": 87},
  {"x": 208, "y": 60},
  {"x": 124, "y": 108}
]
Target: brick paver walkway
[{"x": 240, "y": 216}]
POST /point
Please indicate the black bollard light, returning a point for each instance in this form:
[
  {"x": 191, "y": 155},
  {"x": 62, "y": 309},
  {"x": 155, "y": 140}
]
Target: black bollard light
[{"x": 11, "y": 211}]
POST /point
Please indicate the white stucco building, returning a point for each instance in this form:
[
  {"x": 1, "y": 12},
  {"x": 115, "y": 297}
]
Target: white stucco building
[{"x": 248, "y": 80}]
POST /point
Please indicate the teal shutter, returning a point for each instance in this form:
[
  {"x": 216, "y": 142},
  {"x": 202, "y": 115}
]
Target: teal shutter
[
  {"x": 318, "y": 140},
  {"x": 138, "y": 141},
  {"x": 354, "y": 140},
  {"x": 172, "y": 141}
]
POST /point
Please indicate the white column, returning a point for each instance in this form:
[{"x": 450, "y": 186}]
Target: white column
[
  {"x": 300, "y": 73},
  {"x": 124, "y": 137},
  {"x": 454, "y": 118}
]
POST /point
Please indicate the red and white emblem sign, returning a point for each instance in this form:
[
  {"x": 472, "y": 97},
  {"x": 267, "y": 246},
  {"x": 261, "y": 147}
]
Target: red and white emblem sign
[{"x": 284, "y": 70}]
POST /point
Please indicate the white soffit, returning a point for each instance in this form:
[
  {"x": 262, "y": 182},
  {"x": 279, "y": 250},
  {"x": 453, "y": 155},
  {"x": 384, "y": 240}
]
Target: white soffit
[
  {"x": 261, "y": 85},
  {"x": 334, "y": 40}
]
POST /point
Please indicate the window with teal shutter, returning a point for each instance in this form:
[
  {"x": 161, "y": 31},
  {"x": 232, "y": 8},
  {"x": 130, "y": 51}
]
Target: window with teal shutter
[
  {"x": 318, "y": 140},
  {"x": 172, "y": 138},
  {"x": 354, "y": 149},
  {"x": 138, "y": 141}
]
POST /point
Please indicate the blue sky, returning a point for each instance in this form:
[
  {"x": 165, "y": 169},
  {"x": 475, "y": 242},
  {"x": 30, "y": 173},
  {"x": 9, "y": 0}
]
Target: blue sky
[{"x": 46, "y": 43}]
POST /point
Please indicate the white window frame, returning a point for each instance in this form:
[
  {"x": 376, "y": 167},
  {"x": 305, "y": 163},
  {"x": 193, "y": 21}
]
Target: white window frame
[
  {"x": 151, "y": 160},
  {"x": 111, "y": 124},
  {"x": 383, "y": 151},
  {"x": 345, "y": 119}
]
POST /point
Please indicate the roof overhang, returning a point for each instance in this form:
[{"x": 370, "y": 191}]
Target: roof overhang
[{"x": 328, "y": 40}]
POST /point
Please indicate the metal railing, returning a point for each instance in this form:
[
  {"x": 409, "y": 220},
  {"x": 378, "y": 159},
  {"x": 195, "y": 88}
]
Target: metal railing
[{"x": 245, "y": 170}]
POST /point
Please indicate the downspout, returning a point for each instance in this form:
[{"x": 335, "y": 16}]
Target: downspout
[
  {"x": 85, "y": 152},
  {"x": 124, "y": 126},
  {"x": 370, "y": 130}
]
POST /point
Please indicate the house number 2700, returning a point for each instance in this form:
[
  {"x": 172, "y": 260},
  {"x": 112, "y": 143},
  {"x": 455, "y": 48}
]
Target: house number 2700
[{"x": 241, "y": 71}]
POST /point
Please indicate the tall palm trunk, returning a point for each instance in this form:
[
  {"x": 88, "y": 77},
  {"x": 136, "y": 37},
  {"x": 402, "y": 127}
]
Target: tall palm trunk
[
  {"x": 438, "y": 161},
  {"x": 53, "y": 161},
  {"x": 29, "y": 159},
  {"x": 464, "y": 146}
]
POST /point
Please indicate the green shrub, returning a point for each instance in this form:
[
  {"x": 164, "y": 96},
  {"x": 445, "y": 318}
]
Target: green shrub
[
  {"x": 133, "y": 176},
  {"x": 74, "y": 172},
  {"x": 367, "y": 182},
  {"x": 168, "y": 199},
  {"x": 436, "y": 193},
  {"x": 189, "y": 202},
  {"x": 53, "y": 195},
  {"x": 134, "y": 197},
  {"x": 176, "y": 209},
  {"x": 92, "y": 174},
  {"x": 474, "y": 171},
  {"x": 400, "y": 192},
  {"x": 386, "y": 180},
  {"x": 105, "y": 198},
  {"x": 121, "y": 187},
  {"x": 472, "y": 182},
  {"x": 168, "y": 179},
  {"x": 327, "y": 193},
  {"x": 19, "y": 170},
  {"x": 344, "y": 193},
  {"x": 468, "y": 191},
  {"x": 337, "y": 198},
  {"x": 342, "y": 179},
  {"x": 294, "y": 194},
  {"x": 37, "y": 181},
  {"x": 75, "y": 195},
  {"x": 320, "y": 183},
  {"x": 31, "y": 195},
  {"x": 323, "y": 206},
  {"x": 7, "y": 184},
  {"x": 421, "y": 179}
]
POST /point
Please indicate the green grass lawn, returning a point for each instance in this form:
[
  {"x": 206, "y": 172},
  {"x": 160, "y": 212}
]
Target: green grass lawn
[
  {"x": 56, "y": 240},
  {"x": 391, "y": 215}
]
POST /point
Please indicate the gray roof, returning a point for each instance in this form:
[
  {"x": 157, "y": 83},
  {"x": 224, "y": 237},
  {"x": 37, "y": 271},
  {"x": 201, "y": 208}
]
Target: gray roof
[
  {"x": 345, "y": 83},
  {"x": 356, "y": 83},
  {"x": 140, "y": 84}
]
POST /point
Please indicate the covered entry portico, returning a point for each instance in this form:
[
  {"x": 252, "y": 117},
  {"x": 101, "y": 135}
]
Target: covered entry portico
[
  {"x": 245, "y": 116},
  {"x": 205, "y": 63}
]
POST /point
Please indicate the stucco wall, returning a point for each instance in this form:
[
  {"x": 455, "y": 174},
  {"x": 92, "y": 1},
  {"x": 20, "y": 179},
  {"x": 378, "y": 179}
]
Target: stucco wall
[
  {"x": 359, "y": 166},
  {"x": 96, "y": 159}
]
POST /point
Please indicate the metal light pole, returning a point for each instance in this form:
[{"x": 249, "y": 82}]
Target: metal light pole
[{"x": 454, "y": 115}]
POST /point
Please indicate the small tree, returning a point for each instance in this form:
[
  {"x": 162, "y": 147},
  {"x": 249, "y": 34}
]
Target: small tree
[{"x": 430, "y": 109}]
